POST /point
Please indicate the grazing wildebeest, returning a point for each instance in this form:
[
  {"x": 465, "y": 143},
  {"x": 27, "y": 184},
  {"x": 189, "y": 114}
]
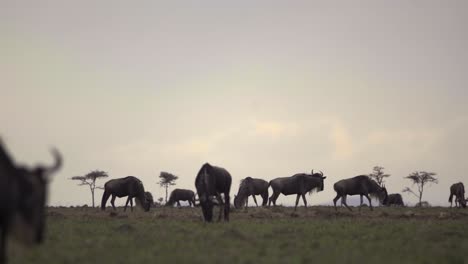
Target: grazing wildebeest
[
  {"x": 393, "y": 199},
  {"x": 178, "y": 195},
  {"x": 362, "y": 185},
  {"x": 149, "y": 198},
  {"x": 457, "y": 190},
  {"x": 213, "y": 181},
  {"x": 251, "y": 186},
  {"x": 298, "y": 184},
  {"x": 129, "y": 186},
  {"x": 23, "y": 194}
]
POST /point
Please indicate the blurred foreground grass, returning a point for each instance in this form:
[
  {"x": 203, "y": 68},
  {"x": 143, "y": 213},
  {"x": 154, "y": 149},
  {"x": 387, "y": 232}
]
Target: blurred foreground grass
[{"x": 258, "y": 235}]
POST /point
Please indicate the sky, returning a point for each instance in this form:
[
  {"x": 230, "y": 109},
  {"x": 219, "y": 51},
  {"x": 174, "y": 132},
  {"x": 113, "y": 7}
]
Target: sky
[{"x": 262, "y": 88}]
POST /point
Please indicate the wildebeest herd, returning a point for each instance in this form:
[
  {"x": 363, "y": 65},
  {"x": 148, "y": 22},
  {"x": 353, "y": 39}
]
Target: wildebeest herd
[{"x": 23, "y": 194}]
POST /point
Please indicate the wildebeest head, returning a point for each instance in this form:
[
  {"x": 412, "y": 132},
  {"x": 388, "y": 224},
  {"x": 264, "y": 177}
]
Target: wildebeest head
[
  {"x": 239, "y": 200},
  {"x": 29, "y": 217},
  {"x": 462, "y": 202},
  {"x": 382, "y": 194},
  {"x": 320, "y": 175},
  {"x": 149, "y": 199}
]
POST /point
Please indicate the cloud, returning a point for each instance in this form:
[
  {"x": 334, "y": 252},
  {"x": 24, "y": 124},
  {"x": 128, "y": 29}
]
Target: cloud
[
  {"x": 275, "y": 129},
  {"x": 339, "y": 137},
  {"x": 343, "y": 145}
]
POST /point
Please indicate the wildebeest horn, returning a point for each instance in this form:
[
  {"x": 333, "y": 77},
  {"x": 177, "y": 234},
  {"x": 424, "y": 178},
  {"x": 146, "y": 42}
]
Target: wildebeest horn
[
  {"x": 58, "y": 162},
  {"x": 321, "y": 173}
]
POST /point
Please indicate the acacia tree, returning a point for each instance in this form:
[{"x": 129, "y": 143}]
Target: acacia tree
[
  {"x": 378, "y": 175},
  {"x": 421, "y": 179},
  {"x": 90, "y": 180},
  {"x": 167, "y": 179}
]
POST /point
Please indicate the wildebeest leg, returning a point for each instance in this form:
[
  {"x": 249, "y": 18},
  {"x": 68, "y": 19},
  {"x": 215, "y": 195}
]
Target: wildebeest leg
[
  {"x": 304, "y": 199},
  {"x": 273, "y": 198},
  {"x": 112, "y": 202},
  {"x": 343, "y": 200},
  {"x": 255, "y": 200},
  {"x": 265, "y": 198},
  {"x": 220, "y": 202},
  {"x": 360, "y": 205},
  {"x": 227, "y": 206},
  {"x": 126, "y": 203},
  {"x": 336, "y": 199},
  {"x": 370, "y": 202},
  {"x": 131, "y": 204},
  {"x": 297, "y": 201},
  {"x": 178, "y": 204},
  {"x": 3, "y": 243}
]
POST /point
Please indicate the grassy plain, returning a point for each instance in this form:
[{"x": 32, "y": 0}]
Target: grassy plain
[{"x": 256, "y": 235}]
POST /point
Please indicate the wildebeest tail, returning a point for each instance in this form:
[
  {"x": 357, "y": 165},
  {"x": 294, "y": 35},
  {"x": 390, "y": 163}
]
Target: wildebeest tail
[
  {"x": 450, "y": 198},
  {"x": 105, "y": 196}
]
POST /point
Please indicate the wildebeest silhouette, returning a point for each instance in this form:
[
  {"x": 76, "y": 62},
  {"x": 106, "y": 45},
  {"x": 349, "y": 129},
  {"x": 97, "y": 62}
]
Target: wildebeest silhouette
[
  {"x": 360, "y": 185},
  {"x": 298, "y": 184},
  {"x": 129, "y": 186},
  {"x": 213, "y": 181},
  {"x": 23, "y": 194},
  {"x": 178, "y": 195},
  {"x": 394, "y": 199},
  {"x": 457, "y": 190},
  {"x": 251, "y": 187}
]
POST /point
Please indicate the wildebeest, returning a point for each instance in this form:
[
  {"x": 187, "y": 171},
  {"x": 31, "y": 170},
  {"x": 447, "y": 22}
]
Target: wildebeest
[
  {"x": 251, "y": 186},
  {"x": 129, "y": 186},
  {"x": 213, "y": 181},
  {"x": 457, "y": 190},
  {"x": 298, "y": 184},
  {"x": 23, "y": 194},
  {"x": 393, "y": 199},
  {"x": 360, "y": 185},
  {"x": 178, "y": 195},
  {"x": 149, "y": 198}
]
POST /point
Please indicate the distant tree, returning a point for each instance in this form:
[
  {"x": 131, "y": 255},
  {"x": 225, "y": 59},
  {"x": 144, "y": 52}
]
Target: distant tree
[
  {"x": 160, "y": 200},
  {"x": 421, "y": 179},
  {"x": 90, "y": 180},
  {"x": 167, "y": 179},
  {"x": 378, "y": 175}
]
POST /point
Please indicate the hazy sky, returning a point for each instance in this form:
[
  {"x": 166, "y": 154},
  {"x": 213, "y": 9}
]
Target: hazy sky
[{"x": 262, "y": 88}]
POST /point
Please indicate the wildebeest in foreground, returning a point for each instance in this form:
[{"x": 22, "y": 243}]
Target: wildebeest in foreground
[
  {"x": 360, "y": 185},
  {"x": 298, "y": 184},
  {"x": 23, "y": 194},
  {"x": 393, "y": 199},
  {"x": 178, "y": 195},
  {"x": 457, "y": 190},
  {"x": 251, "y": 186},
  {"x": 129, "y": 186},
  {"x": 213, "y": 181}
]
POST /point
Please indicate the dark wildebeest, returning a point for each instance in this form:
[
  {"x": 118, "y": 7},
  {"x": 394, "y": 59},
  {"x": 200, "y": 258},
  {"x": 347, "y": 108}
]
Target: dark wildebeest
[
  {"x": 149, "y": 198},
  {"x": 129, "y": 186},
  {"x": 23, "y": 194},
  {"x": 251, "y": 186},
  {"x": 393, "y": 199},
  {"x": 213, "y": 181},
  {"x": 457, "y": 190},
  {"x": 360, "y": 185},
  {"x": 178, "y": 195},
  {"x": 298, "y": 184}
]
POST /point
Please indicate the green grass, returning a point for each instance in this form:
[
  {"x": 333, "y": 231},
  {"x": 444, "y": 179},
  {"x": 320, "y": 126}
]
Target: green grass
[{"x": 259, "y": 235}]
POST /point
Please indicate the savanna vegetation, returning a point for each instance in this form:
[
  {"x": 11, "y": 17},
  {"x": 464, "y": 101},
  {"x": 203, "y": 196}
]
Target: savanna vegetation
[{"x": 256, "y": 235}]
